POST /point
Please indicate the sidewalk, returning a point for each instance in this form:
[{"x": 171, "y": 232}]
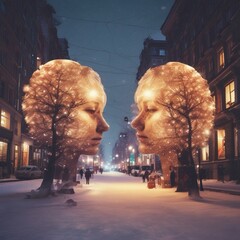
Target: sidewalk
[
  {"x": 11, "y": 179},
  {"x": 208, "y": 185},
  {"x": 227, "y": 187}
]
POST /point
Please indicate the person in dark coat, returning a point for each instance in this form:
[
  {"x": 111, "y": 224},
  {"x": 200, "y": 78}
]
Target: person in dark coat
[
  {"x": 88, "y": 175},
  {"x": 172, "y": 178},
  {"x": 143, "y": 177},
  {"x": 81, "y": 173},
  {"x": 146, "y": 174}
]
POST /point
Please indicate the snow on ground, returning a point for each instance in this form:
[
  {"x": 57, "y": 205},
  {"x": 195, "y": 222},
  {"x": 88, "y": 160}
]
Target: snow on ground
[{"x": 116, "y": 206}]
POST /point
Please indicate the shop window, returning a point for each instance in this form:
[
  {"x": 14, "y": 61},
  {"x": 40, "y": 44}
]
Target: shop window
[
  {"x": 230, "y": 94},
  {"x": 221, "y": 143},
  {"x": 37, "y": 154},
  {"x": 25, "y": 153},
  {"x": 205, "y": 153},
  {"x": 3, "y": 151},
  {"x": 16, "y": 156},
  {"x": 5, "y": 119}
]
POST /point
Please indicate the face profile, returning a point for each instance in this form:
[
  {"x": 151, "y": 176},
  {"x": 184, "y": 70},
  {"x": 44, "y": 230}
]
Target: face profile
[
  {"x": 91, "y": 123},
  {"x": 148, "y": 124},
  {"x": 174, "y": 105},
  {"x": 65, "y": 100}
]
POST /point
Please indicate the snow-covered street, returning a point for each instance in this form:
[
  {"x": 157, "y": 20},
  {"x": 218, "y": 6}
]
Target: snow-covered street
[{"x": 116, "y": 206}]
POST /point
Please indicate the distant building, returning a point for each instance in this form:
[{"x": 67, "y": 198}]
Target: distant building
[
  {"x": 153, "y": 54},
  {"x": 205, "y": 34},
  {"x": 125, "y": 150}
]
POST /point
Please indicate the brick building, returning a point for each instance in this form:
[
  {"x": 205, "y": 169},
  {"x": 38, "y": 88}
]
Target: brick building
[
  {"x": 28, "y": 38},
  {"x": 205, "y": 34}
]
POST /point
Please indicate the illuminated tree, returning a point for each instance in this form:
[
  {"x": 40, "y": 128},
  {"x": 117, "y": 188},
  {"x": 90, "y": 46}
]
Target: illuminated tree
[
  {"x": 51, "y": 106},
  {"x": 183, "y": 111}
]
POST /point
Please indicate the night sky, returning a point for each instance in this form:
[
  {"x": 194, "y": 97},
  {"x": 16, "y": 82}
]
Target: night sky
[{"x": 108, "y": 36}]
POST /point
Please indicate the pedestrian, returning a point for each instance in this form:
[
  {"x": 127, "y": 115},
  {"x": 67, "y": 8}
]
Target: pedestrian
[
  {"x": 172, "y": 177},
  {"x": 77, "y": 176},
  {"x": 88, "y": 175},
  {"x": 146, "y": 174},
  {"x": 66, "y": 174},
  {"x": 81, "y": 172},
  {"x": 101, "y": 170},
  {"x": 143, "y": 177}
]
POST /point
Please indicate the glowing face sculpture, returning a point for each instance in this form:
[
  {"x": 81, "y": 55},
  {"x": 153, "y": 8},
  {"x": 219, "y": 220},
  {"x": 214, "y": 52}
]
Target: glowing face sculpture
[
  {"x": 175, "y": 105},
  {"x": 65, "y": 101}
]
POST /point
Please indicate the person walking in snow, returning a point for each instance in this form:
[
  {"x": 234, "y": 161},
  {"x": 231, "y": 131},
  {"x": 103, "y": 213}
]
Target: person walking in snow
[
  {"x": 81, "y": 173},
  {"x": 88, "y": 175}
]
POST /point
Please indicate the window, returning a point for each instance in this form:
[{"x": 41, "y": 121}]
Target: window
[
  {"x": 16, "y": 156},
  {"x": 2, "y": 89},
  {"x": 230, "y": 47},
  {"x": 221, "y": 59},
  {"x": 205, "y": 153},
  {"x": 162, "y": 52},
  {"x": 221, "y": 143},
  {"x": 17, "y": 128},
  {"x": 3, "y": 151},
  {"x": 25, "y": 153},
  {"x": 37, "y": 154},
  {"x": 230, "y": 94},
  {"x": 5, "y": 119}
]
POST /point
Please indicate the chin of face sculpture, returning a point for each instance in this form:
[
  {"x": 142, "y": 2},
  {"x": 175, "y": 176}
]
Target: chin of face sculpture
[{"x": 161, "y": 97}]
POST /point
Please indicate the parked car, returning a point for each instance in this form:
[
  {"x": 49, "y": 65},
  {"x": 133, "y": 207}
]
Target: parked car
[
  {"x": 144, "y": 168},
  {"x": 28, "y": 172},
  {"x": 135, "y": 170}
]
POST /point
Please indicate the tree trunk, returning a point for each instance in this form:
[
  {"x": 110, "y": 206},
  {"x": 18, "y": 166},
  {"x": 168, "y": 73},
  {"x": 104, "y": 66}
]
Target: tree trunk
[
  {"x": 193, "y": 189},
  {"x": 48, "y": 176},
  {"x": 187, "y": 176},
  {"x": 182, "y": 185}
]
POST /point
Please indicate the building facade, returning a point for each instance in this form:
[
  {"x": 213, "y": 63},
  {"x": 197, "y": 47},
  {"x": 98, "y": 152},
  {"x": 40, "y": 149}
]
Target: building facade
[
  {"x": 205, "y": 34},
  {"x": 24, "y": 44},
  {"x": 153, "y": 54}
]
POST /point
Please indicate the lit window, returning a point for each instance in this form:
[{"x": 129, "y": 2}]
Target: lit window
[
  {"x": 221, "y": 143},
  {"x": 25, "y": 153},
  {"x": 3, "y": 151},
  {"x": 5, "y": 119},
  {"x": 230, "y": 94},
  {"x": 16, "y": 155},
  {"x": 221, "y": 59}
]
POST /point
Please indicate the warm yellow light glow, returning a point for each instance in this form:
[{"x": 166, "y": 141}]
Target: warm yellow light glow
[
  {"x": 148, "y": 93},
  {"x": 92, "y": 93}
]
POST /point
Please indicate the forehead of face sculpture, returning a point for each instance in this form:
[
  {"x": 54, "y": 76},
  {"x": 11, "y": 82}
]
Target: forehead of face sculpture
[
  {"x": 157, "y": 80},
  {"x": 72, "y": 73}
]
